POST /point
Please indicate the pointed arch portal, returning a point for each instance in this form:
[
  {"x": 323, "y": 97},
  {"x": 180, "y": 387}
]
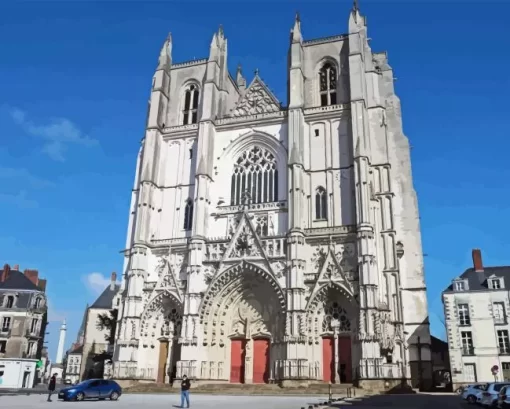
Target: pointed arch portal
[
  {"x": 161, "y": 325},
  {"x": 331, "y": 320},
  {"x": 244, "y": 312}
]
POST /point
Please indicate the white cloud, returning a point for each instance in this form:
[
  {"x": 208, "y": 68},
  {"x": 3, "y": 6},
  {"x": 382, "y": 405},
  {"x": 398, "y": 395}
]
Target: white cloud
[
  {"x": 22, "y": 176},
  {"x": 96, "y": 282},
  {"x": 58, "y": 134}
]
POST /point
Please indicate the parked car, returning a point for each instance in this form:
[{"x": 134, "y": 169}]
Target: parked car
[
  {"x": 68, "y": 382},
  {"x": 472, "y": 392},
  {"x": 92, "y": 389},
  {"x": 491, "y": 394},
  {"x": 504, "y": 397}
]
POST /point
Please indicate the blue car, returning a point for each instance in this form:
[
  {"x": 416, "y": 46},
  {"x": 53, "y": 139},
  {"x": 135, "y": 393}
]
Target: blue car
[{"x": 92, "y": 389}]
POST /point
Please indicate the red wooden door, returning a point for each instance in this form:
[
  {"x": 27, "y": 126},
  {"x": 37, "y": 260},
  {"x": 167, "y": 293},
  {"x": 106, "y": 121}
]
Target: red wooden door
[
  {"x": 237, "y": 355},
  {"x": 260, "y": 361},
  {"x": 344, "y": 359},
  {"x": 328, "y": 360}
]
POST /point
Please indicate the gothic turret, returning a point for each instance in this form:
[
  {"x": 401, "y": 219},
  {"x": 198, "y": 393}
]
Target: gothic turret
[{"x": 161, "y": 87}]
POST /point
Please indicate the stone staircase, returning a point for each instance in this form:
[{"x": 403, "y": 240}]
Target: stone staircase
[{"x": 323, "y": 389}]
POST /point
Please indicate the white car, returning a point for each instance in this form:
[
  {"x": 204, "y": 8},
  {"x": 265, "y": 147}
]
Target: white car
[
  {"x": 472, "y": 392},
  {"x": 491, "y": 393}
]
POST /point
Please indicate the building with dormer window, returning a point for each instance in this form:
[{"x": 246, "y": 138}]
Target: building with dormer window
[
  {"x": 272, "y": 242},
  {"x": 476, "y": 307},
  {"x": 23, "y": 320}
]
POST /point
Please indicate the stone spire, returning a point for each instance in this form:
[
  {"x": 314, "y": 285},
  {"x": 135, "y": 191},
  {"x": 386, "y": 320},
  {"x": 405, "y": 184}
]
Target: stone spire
[
  {"x": 165, "y": 55},
  {"x": 240, "y": 80},
  {"x": 356, "y": 20},
  {"x": 296, "y": 31}
]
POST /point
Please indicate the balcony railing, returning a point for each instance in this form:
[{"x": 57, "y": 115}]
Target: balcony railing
[{"x": 468, "y": 350}]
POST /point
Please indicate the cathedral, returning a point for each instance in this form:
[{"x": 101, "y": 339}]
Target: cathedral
[{"x": 273, "y": 243}]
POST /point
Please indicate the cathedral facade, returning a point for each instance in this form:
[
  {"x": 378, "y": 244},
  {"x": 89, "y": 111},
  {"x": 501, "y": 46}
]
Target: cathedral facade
[{"x": 270, "y": 243}]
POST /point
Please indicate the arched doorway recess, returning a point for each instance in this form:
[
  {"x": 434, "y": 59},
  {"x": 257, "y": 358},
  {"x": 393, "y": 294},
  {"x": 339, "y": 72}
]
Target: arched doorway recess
[{"x": 243, "y": 316}]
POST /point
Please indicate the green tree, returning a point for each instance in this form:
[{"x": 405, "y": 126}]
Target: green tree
[{"x": 108, "y": 321}]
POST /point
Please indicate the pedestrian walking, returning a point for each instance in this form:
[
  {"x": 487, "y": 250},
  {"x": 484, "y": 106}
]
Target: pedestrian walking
[
  {"x": 51, "y": 386},
  {"x": 185, "y": 386}
]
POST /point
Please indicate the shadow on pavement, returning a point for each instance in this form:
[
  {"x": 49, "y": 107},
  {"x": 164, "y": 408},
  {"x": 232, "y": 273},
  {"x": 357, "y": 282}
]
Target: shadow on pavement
[{"x": 413, "y": 401}]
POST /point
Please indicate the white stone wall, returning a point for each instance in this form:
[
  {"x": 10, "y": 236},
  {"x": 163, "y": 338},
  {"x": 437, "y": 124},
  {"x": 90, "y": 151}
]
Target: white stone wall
[
  {"x": 484, "y": 333},
  {"x": 365, "y": 257},
  {"x": 18, "y": 373},
  {"x": 73, "y": 368}
]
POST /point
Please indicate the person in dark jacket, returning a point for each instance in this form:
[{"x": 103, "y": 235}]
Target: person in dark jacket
[
  {"x": 185, "y": 386},
  {"x": 51, "y": 386}
]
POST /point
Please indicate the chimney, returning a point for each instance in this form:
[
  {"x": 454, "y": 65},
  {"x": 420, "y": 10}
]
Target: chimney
[
  {"x": 477, "y": 260},
  {"x": 42, "y": 285},
  {"x": 16, "y": 267},
  {"x": 32, "y": 275},
  {"x": 5, "y": 273},
  {"x": 114, "y": 279}
]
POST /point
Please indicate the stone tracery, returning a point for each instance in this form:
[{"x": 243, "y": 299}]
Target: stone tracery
[
  {"x": 232, "y": 305},
  {"x": 162, "y": 316},
  {"x": 256, "y": 173},
  {"x": 331, "y": 303}
]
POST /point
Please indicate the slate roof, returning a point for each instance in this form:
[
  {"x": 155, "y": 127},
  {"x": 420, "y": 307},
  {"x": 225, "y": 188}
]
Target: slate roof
[
  {"x": 81, "y": 331},
  {"x": 18, "y": 281},
  {"x": 477, "y": 281},
  {"x": 105, "y": 300},
  {"x": 436, "y": 343},
  {"x": 77, "y": 350}
]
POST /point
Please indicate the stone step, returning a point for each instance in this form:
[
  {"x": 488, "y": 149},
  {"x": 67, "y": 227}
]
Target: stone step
[{"x": 248, "y": 389}]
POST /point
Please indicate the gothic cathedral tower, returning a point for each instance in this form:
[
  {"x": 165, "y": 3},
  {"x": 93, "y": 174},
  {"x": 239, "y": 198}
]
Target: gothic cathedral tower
[{"x": 271, "y": 243}]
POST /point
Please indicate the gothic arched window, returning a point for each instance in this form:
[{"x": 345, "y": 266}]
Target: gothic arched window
[
  {"x": 188, "y": 215},
  {"x": 321, "y": 204},
  {"x": 190, "y": 108},
  {"x": 255, "y": 177},
  {"x": 327, "y": 79}
]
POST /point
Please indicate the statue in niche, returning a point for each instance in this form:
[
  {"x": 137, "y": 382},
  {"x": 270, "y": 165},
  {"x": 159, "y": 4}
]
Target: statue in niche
[
  {"x": 271, "y": 230},
  {"x": 232, "y": 226},
  {"x": 318, "y": 257},
  {"x": 162, "y": 263}
]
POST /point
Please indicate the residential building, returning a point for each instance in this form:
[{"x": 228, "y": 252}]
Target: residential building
[
  {"x": 73, "y": 364},
  {"x": 75, "y": 353},
  {"x": 270, "y": 242},
  {"x": 476, "y": 307},
  {"x": 97, "y": 342},
  {"x": 23, "y": 320}
]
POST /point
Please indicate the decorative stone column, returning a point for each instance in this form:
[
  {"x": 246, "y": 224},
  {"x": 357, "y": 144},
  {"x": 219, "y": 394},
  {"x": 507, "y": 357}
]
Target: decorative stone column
[
  {"x": 248, "y": 361},
  {"x": 169, "y": 362},
  {"x": 335, "y": 324}
]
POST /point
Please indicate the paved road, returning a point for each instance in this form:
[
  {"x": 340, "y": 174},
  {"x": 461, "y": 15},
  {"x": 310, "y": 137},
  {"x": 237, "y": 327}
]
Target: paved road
[{"x": 244, "y": 402}]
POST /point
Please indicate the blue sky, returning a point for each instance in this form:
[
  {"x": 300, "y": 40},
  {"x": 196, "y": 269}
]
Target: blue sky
[{"x": 75, "y": 79}]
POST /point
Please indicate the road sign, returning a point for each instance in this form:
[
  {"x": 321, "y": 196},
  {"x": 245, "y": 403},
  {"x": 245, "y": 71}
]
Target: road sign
[{"x": 495, "y": 369}]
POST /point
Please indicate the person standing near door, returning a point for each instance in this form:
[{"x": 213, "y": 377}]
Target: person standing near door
[
  {"x": 51, "y": 386},
  {"x": 185, "y": 387}
]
